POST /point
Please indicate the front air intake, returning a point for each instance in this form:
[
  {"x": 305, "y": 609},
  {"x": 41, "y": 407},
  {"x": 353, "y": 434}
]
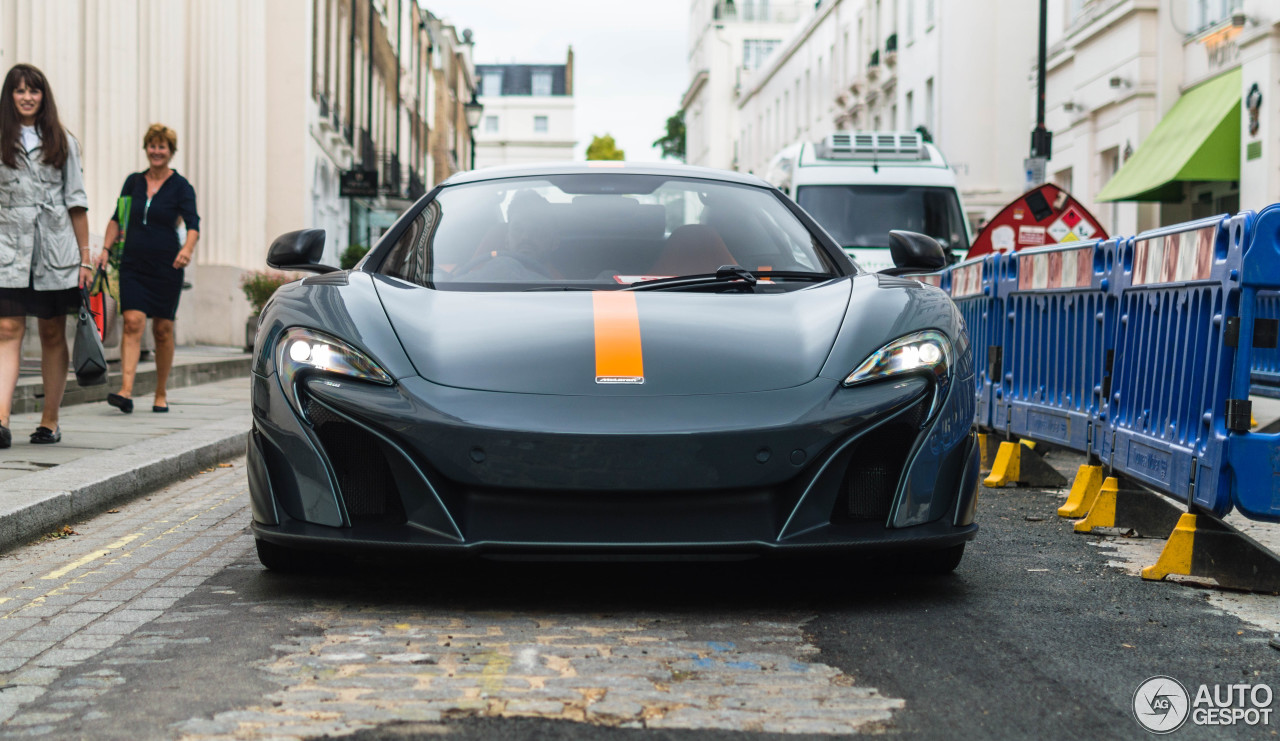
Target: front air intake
[
  {"x": 877, "y": 464},
  {"x": 364, "y": 477}
]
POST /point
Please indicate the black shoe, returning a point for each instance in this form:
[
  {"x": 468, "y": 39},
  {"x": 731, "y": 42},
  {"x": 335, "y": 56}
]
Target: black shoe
[
  {"x": 158, "y": 409},
  {"x": 123, "y": 403},
  {"x": 6, "y": 437},
  {"x": 46, "y": 436}
]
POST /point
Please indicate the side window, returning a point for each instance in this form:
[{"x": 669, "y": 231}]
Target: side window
[{"x": 409, "y": 258}]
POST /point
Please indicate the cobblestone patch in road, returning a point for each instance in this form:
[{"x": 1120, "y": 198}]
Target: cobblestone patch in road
[
  {"x": 67, "y": 599},
  {"x": 376, "y": 666}
]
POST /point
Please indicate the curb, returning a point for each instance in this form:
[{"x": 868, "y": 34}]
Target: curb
[
  {"x": 41, "y": 502},
  {"x": 29, "y": 394}
]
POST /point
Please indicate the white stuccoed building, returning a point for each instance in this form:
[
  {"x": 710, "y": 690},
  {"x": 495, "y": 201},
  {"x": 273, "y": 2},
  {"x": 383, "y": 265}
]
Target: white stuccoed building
[
  {"x": 271, "y": 102},
  {"x": 727, "y": 39},
  {"x": 528, "y": 113},
  {"x": 1164, "y": 112},
  {"x": 898, "y": 65}
]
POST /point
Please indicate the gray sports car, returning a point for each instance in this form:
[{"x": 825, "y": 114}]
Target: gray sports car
[{"x": 596, "y": 360}]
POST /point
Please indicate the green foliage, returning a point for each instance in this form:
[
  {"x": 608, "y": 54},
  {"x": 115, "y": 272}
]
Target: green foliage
[
  {"x": 351, "y": 255},
  {"x": 672, "y": 143},
  {"x": 258, "y": 286},
  {"x": 604, "y": 148}
]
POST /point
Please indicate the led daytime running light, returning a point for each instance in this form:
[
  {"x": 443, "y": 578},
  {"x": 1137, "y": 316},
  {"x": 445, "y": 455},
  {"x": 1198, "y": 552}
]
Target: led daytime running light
[
  {"x": 303, "y": 350},
  {"x": 929, "y": 350}
]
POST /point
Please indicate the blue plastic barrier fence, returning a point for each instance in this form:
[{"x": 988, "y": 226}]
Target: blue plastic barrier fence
[
  {"x": 940, "y": 279},
  {"x": 1254, "y": 458},
  {"x": 1059, "y": 329},
  {"x": 1178, "y": 292},
  {"x": 1265, "y": 378},
  {"x": 973, "y": 289}
]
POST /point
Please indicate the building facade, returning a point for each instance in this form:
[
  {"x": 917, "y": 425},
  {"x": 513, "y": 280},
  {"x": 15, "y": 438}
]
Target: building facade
[
  {"x": 1163, "y": 112},
  {"x": 528, "y": 113},
  {"x": 271, "y": 102},
  {"x": 902, "y": 65},
  {"x": 727, "y": 39}
]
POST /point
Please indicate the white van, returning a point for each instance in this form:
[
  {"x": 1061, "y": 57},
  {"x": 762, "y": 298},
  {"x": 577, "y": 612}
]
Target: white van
[{"x": 860, "y": 184}]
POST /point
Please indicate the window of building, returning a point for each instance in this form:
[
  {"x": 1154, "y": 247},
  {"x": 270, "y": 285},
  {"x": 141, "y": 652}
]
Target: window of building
[
  {"x": 928, "y": 107},
  {"x": 909, "y": 123},
  {"x": 540, "y": 124},
  {"x": 756, "y": 51},
  {"x": 1205, "y": 13},
  {"x": 928, "y": 14},
  {"x": 1064, "y": 178},
  {"x": 490, "y": 124},
  {"x": 491, "y": 84},
  {"x": 542, "y": 83},
  {"x": 911, "y": 20}
]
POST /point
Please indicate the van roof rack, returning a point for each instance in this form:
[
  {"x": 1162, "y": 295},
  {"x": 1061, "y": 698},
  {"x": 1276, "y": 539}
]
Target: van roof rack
[{"x": 877, "y": 146}]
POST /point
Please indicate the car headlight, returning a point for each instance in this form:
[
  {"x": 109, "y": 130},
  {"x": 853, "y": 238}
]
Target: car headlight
[
  {"x": 928, "y": 351},
  {"x": 302, "y": 352}
]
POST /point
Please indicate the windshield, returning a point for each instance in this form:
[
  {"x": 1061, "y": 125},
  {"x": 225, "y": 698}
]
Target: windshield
[
  {"x": 597, "y": 231},
  {"x": 862, "y": 215}
]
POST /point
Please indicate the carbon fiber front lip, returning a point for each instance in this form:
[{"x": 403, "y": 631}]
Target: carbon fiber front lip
[{"x": 300, "y": 535}]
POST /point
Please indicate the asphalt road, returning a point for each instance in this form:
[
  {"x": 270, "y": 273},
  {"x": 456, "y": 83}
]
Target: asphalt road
[{"x": 157, "y": 622}]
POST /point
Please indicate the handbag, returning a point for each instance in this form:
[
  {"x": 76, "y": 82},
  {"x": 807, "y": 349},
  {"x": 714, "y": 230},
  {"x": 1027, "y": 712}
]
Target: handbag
[{"x": 87, "y": 358}]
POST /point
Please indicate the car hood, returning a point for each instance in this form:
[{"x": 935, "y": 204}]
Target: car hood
[{"x": 616, "y": 342}]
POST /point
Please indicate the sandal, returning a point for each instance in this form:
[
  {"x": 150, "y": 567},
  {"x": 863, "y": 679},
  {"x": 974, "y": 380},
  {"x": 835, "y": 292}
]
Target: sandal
[
  {"x": 123, "y": 403},
  {"x": 46, "y": 436},
  {"x": 6, "y": 437}
]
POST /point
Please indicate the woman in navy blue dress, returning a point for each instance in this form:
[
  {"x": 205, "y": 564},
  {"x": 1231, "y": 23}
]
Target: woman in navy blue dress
[{"x": 151, "y": 268}]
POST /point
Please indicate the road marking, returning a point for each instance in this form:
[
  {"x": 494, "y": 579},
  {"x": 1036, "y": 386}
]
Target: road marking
[{"x": 91, "y": 557}]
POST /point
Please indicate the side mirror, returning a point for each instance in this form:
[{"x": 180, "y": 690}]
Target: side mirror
[
  {"x": 914, "y": 253},
  {"x": 300, "y": 250}
]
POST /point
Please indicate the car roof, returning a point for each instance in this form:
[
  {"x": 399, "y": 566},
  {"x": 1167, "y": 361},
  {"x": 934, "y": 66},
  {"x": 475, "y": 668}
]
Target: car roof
[{"x": 597, "y": 167}]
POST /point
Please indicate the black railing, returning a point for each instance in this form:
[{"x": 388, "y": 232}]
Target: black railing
[
  {"x": 389, "y": 182},
  {"x": 368, "y": 155},
  {"x": 324, "y": 105},
  {"x": 417, "y": 188},
  {"x": 891, "y": 43}
]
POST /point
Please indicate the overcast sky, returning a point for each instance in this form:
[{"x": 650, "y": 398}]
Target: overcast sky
[{"x": 629, "y": 67}]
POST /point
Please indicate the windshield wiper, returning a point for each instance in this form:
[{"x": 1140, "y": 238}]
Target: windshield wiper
[{"x": 726, "y": 274}]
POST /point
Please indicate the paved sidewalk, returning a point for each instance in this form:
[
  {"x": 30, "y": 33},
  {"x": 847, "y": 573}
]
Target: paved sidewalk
[
  {"x": 107, "y": 456},
  {"x": 192, "y": 365}
]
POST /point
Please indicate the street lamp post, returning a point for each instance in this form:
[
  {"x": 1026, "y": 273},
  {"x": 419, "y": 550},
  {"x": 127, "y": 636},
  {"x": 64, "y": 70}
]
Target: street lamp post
[
  {"x": 473, "y": 110},
  {"x": 1041, "y": 138}
]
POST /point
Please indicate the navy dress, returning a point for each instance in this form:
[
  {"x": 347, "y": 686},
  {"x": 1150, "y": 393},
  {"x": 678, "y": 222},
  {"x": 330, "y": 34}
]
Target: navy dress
[{"x": 148, "y": 281}]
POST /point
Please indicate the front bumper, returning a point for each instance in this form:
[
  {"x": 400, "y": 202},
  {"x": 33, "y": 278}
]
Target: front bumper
[{"x": 448, "y": 470}]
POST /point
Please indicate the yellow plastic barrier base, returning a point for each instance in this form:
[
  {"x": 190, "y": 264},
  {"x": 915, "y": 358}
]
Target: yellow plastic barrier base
[
  {"x": 1006, "y": 467},
  {"x": 1176, "y": 556},
  {"x": 1084, "y": 490},
  {"x": 1102, "y": 512},
  {"x": 984, "y": 460}
]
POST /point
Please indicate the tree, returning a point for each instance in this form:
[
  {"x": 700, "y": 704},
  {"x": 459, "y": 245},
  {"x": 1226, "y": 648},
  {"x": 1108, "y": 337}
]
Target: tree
[
  {"x": 673, "y": 143},
  {"x": 604, "y": 148}
]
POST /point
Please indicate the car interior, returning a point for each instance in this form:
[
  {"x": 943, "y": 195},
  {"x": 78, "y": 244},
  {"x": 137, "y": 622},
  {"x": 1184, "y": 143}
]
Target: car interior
[{"x": 596, "y": 235}]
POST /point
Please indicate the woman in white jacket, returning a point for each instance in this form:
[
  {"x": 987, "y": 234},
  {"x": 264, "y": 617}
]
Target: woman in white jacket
[{"x": 44, "y": 240}]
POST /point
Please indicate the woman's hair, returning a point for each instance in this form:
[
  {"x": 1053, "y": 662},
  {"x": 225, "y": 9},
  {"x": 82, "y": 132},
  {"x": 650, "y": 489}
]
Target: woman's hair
[
  {"x": 53, "y": 139},
  {"x": 161, "y": 133}
]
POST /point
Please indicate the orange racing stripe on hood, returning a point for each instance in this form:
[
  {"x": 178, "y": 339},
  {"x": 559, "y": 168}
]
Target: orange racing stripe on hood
[{"x": 617, "y": 327}]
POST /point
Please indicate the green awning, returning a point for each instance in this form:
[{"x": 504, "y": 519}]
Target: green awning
[{"x": 1198, "y": 139}]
